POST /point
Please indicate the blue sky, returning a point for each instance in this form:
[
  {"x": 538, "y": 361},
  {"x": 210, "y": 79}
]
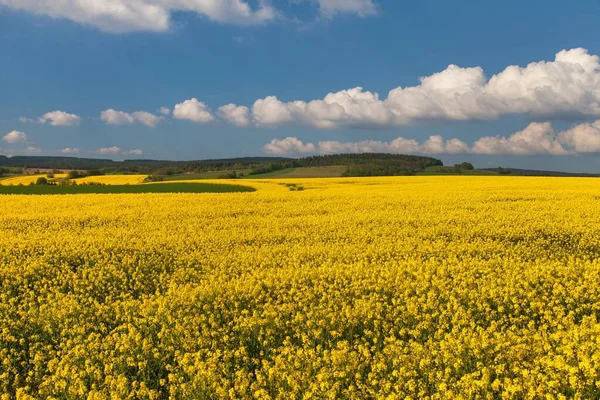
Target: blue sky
[{"x": 91, "y": 84}]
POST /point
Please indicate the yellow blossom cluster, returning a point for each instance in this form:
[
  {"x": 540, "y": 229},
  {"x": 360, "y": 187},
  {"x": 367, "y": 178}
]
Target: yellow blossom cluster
[
  {"x": 358, "y": 288},
  {"x": 112, "y": 179},
  {"x": 27, "y": 180}
]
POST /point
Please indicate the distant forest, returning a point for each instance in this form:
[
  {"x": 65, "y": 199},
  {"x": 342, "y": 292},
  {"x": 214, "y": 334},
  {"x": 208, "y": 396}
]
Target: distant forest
[{"x": 368, "y": 164}]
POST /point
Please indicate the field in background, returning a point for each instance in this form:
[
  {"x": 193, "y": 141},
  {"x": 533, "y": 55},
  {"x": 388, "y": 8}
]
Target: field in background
[
  {"x": 113, "y": 179},
  {"x": 304, "y": 172},
  {"x": 27, "y": 179},
  {"x": 409, "y": 287},
  {"x": 441, "y": 171},
  {"x": 203, "y": 175}
]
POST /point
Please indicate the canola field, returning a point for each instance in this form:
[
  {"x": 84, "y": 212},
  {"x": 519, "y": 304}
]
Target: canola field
[
  {"x": 112, "y": 179},
  {"x": 373, "y": 288},
  {"x": 27, "y": 180}
]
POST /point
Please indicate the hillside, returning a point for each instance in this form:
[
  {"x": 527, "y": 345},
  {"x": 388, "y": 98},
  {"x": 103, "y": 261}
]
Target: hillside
[
  {"x": 366, "y": 164},
  {"x": 354, "y": 165}
]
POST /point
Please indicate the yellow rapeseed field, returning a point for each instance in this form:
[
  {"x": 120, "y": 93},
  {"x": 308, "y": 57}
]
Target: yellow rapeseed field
[
  {"x": 113, "y": 179},
  {"x": 391, "y": 288},
  {"x": 28, "y": 179}
]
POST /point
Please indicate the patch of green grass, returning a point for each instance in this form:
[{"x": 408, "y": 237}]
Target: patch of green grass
[
  {"x": 271, "y": 174},
  {"x": 203, "y": 175},
  {"x": 124, "y": 189},
  {"x": 334, "y": 171},
  {"x": 442, "y": 171}
]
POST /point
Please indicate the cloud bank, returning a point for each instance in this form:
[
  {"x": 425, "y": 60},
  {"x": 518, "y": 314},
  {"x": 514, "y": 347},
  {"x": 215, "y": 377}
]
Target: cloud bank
[
  {"x": 536, "y": 139},
  {"x": 120, "y": 16},
  {"x": 568, "y": 86},
  {"x": 114, "y": 117}
]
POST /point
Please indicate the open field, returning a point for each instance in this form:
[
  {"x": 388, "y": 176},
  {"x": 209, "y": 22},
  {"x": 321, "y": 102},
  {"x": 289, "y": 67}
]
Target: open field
[
  {"x": 317, "y": 172},
  {"x": 192, "y": 187},
  {"x": 407, "y": 287},
  {"x": 113, "y": 179},
  {"x": 444, "y": 171},
  {"x": 27, "y": 179},
  {"x": 202, "y": 175},
  {"x": 274, "y": 174},
  {"x": 304, "y": 172}
]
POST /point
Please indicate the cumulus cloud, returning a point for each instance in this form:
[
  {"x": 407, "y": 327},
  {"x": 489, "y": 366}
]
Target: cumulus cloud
[
  {"x": 290, "y": 145},
  {"x": 536, "y": 139},
  {"x": 15, "y": 137},
  {"x": 109, "y": 150},
  {"x": 583, "y": 138},
  {"x": 434, "y": 145},
  {"x": 117, "y": 16},
  {"x": 237, "y": 115},
  {"x": 70, "y": 150},
  {"x": 164, "y": 111},
  {"x": 60, "y": 118},
  {"x": 55, "y": 118},
  {"x": 145, "y": 118},
  {"x": 114, "y": 117},
  {"x": 567, "y": 86},
  {"x": 397, "y": 146},
  {"x": 193, "y": 110}
]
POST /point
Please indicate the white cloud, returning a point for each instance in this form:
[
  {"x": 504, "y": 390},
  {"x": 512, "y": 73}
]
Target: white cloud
[
  {"x": 15, "y": 137},
  {"x": 60, "y": 118},
  {"x": 109, "y": 150},
  {"x": 398, "y": 146},
  {"x": 55, "y": 118},
  {"x": 362, "y": 8},
  {"x": 237, "y": 115},
  {"x": 164, "y": 111},
  {"x": 145, "y": 118},
  {"x": 290, "y": 145},
  {"x": 583, "y": 138},
  {"x": 193, "y": 110},
  {"x": 536, "y": 139},
  {"x": 33, "y": 150},
  {"x": 118, "y": 16},
  {"x": 271, "y": 111},
  {"x": 353, "y": 107},
  {"x": 437, "y": 145},
  {"x": 135, "y": 152},
  {"x": 70, "y": 150},
  {"x": 114, "y": 117},
  {"x": 567, "y": 86},
  {"x": 434, "y": 145}
]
